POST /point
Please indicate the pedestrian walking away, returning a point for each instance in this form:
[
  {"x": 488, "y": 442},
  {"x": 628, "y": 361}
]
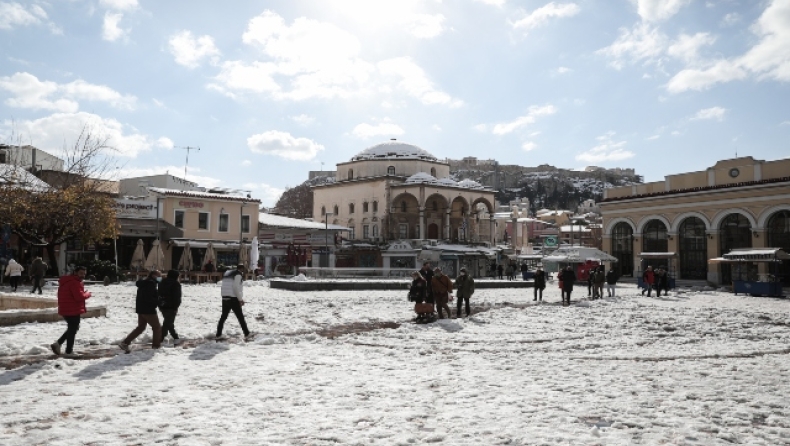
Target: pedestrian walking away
[
  {"x": 662, "y": 282},
  {"x": 37, "y": 271},
  {"x": 540, "y": 284},
  {"x": 611, "y": 281},
  {"x": 145, "y": 306},
  {"x": 14, "y": 273},
  {"x": 464, "y": 288},
  {"x": 233, "y": 299},
  {"x": 169, "y": 301},
  {"x": 442, "y": 287},
  {"x": 568, "y": 277},
  {"x": 598, "y": 280},
  {"x": 71, "y": 304},
  {"x": 648, "y": 278}
]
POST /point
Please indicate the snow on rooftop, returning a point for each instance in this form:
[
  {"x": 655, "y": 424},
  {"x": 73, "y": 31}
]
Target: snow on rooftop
[
  {"x": 200, "y": 194},
  {"x": 421, "y": 177},
  {"x": 279, "y": 221},
  {"x": 393, "y": 150}
]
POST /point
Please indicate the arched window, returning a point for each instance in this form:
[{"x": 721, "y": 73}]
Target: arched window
[
  {"x": 323, "y": 210},
  {"x": 778, "y": 236},
  {"x": 654, "y": 237},
  {"x": 375, "y": 231},
  {"x": 351, "y": 208},
  {"x": 364, "y": 206},
  {"x": 693, "y": 247},
  {"x": 391, "y": 170},
  {"x": 350, "y": 174},
  {"x": 433, "y": 171},
  {"x": 337, "y": 210},
  {"x": 403, "y": 206},
  {"x": 623, "y": 249},
  {"x": 435, "y": 205},
  {"x": 735, "y": 232},
  {"x": 375, "y": 206}
]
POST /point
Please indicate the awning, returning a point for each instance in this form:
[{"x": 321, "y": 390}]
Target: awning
[
  {"x": 758, "y": 254},
  {"x": 429, "y": 255},
  {"x": 657, "y": 255},
  {"x": 219, "y": 245},
  {"x": 139, "y": 227}
]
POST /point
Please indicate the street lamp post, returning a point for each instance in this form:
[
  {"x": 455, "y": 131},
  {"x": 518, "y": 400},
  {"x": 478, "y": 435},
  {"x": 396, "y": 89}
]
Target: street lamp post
[{"x": 326, "y": 236}]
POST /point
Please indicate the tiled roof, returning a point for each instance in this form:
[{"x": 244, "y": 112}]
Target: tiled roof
[{"x": 198, "y": 194}]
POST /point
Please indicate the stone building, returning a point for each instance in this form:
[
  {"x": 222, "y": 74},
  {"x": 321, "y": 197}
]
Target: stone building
[
  {"x": 398, "y": 191},
  {"x": 737, "y": 203}
]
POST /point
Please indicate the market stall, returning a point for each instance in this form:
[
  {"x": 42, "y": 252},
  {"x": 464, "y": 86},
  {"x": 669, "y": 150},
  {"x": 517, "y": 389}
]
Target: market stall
[
  {"x": 666, "y": 260},
  {"x": 746, "y": 278}
]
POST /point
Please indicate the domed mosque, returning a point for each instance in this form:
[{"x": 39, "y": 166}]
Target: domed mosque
[{"x": 399, "y": 191}]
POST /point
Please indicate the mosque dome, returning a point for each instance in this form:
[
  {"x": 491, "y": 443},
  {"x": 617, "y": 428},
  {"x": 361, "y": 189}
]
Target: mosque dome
[
  {"x": 421, "y": 177},
  {"x": 393, "y": 150},
  {"x": 470, "y": 184},
  {"x": 447, "y": 181}
]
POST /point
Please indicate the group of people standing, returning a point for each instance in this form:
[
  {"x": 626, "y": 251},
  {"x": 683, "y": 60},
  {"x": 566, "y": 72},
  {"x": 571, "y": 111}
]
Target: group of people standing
[
  {"x": 153, "y": 292},
  {"x": 655, "y": 279},
  {"x": 431, "y": 287}
]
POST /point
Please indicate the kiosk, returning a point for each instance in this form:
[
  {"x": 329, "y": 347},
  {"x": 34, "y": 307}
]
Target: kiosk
[
  {"x": 745, "y": 278},
  {"x": 666, "y": 260}
]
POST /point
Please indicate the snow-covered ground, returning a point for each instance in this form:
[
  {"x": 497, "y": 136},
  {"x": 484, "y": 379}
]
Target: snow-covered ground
[{"x": 695, "y": 368}]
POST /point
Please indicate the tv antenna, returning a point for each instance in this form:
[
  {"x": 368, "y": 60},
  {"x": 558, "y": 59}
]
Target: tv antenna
[{"x": 187, "y": 148}]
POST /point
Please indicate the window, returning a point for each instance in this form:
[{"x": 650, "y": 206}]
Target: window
[
  {"x": 350, "y": 174},
  {"x": 323, "y": 210},
  {"x": 433, "y": 171},
  {"x": 223, "y": 223},
  {"x": 375, "y": 206},
  {"x": 365, "y": 206},
  {"x": 351, "y": 231},
  {"x": 337, "y": 210},
  {"x": 245, "y": 224},
  {"x": 366, "y": 231},
  {"x": 417, "y": 230},
  {"x": 391, "y": 170},
  {"x": 3, "y": 158},
  {"x": 403, "y": 206},
  {"x": 375, "y": 231},
  {"x": 403, "y": 230},
  {"x": 435, "y": 206},
  {"x": 351, "y": 208},
  {"x": 179, "y": 220},
  {"x": 203, "y": 221}
]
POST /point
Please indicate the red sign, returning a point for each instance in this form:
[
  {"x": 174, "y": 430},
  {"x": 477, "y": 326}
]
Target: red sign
[{"x": 190, "y": 204}]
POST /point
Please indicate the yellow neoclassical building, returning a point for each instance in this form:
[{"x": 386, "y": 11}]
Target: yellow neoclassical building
[
  {"x": 397, "y": 191},
  {"x": 737, "y": 203}
]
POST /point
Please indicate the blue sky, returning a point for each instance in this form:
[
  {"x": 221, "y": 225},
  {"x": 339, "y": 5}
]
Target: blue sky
[{"x": 272, "y": 89}]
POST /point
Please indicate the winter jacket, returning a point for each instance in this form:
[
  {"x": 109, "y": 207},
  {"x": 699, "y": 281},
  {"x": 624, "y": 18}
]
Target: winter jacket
[
  {"x": 170, "y": 293},
  {"x": 39, "y": 268},
  {"x": 417, "y": 290},
  {"x": 524, "y": 268},
  {"x": 147, "y": 297},
  {"x": 599, "y": 277},
  {"x": 232, "y": 285},
  {"x": 441, "y": 285},
  {"x": 611, "y": 277},
  {"x": 648, "y": 277},
  {"x": 14, "y": 269},
  {"x": 464, "y": 286},
  {"x": 71, "y": 296},
  {"x": 428, "y": 276},
  {"x": 662, "y": 280},
  {"x": 567, "y": 277},
  {"x": 540, "y": 279}
]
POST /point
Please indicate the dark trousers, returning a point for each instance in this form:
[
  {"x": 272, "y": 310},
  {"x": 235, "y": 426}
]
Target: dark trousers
[
  {"x": 462, "y": 300},
  {"x": 649, "y": 288},
  {"x": 168, "y": 323},
  {"x": 566, "y": 296},
  {"x": 538, "y": 290},
  {"x": 37, "y": 283},
  {"x": 231, "y": 304},
  {"x": 72, "y": 327},
  {"x": 14, "y": 282},
  {"x": 144, "y": 320}
]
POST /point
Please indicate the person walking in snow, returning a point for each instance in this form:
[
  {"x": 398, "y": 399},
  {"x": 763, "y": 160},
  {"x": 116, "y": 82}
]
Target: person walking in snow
[
  {"x": 598, "y": 280},
  {"x": 568, "y": 277},
  {"x": 648, "y": 278},
  {"x": 233, "y": 299},
  {"x": 37, "y": 270},
  {"x": 71, "y": 304},
  {"x": 611, "y": 281},
  {"x": 14, "y": 272},
  {"x": 499, "y": 270},
  {"x": 418, "y": 292},
  {"x": 540, "y": 284},
  {"x": 427, "y": 273},
  {"x": 442, "y": 287},
  {"x": 662, "y": 282},
  {"x": 169, "y": 301},
  {"x": 145, "y": 306},
  {"x": 465, "y": 287}
]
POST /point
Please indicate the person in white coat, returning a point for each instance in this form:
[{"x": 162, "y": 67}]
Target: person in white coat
[
  {"x": 233, "y": 299},
  {"x": 14, "y": 272}
]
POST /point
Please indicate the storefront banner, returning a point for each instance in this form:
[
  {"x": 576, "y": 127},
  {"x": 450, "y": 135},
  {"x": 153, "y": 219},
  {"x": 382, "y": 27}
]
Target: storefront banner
[{"x": 135, "y": 208}]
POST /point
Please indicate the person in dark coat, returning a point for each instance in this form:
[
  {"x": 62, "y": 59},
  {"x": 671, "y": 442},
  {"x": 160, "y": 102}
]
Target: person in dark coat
[
  {"x": 71, "y": 304},
  {"x": 598, "y": 280},
  {"x": 464, "y": 288},
  {"x": 567, "y": 277},
  {"x": 590, "y": 274},
  {"x": 442, "y": 288},
  {"x": 145, "y": 306},
  {"x": 427, "y": 273},
  {"x": 611, "y": 281},
  {"x": 540, "y": 283},
  {"x": 648, "y": 279},
  {"x": 37, "y": 271},
  {"x": 418, "y": 292},
  {"x": 499, "y": 270},
  {"x": 169, "y": 301},
  {"x": 524, "y": 271},
  {"x": 662, "y": 282}
]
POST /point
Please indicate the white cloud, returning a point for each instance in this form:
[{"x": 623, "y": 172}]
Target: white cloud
[
  {"x": 283, "y": 145},
  {"x": 365, "y": 130},
  {"x": 303, "y": 119},
  {"x": 426, "y": 26},
  {"x": 607, "y": 150},
  {"x": 120, "y": 5},
  {"x": 768, "y": 59},
  {"x": 529, "y": 118},
  {"x": 731, "y": 19},
  {"x": 480, "y": 127},
  {"x": 413, "y": 80},
  {"x": 52, "y": 132},
  {"x": 29, "y": 92},
  {"x": 529, "y": 146},
  {"x": 686, "y": 47},
  {"x": 436, "y": 127},
  {"x": 13, "y": 15},
  {"x": 653, "y": 137},
  {"x": 540, "y": 16},
  {"x": 784, "y": 123},
  {"x": 164, "y": 143},
  {"x": 716, "y": 113},
  {"x": 190, "y": 51},
  {"x": 246, "y": 163},
  {"x": 110, "y": 29},
  {"x": 563, "y": 70},
  {"x": 266, "y": 193},
  {"x": 642, "y": 43},
  {"x": 656, "y": 10},
  {"x": 498, "y": 3}
]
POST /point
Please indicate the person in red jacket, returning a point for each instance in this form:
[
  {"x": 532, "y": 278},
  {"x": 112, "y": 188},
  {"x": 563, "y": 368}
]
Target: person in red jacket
[
  {"x": 648, "y": 278},
  {"x": 71, "y": 304}
]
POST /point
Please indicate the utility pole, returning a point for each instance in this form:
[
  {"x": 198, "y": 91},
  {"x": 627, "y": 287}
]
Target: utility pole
[{"x": 187, "y": 148}]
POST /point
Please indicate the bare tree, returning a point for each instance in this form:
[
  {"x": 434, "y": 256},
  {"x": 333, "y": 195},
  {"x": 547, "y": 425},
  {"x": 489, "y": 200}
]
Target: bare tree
[{"x": 296, "y": 202}]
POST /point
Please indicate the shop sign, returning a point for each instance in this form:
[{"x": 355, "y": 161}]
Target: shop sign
[
  {"x": 135, "y": 208},
  {"x": 188, "y": 204}
]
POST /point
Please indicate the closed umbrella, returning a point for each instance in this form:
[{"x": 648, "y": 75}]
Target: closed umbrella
[
  {"x": 138, "y": 258},
  {"x": 243, "y": 254},
  {"x": 156, "y": 258},
  {"x": 209, "y": 255},
  {"x": 254, "y": 254},
  {"x": 185, "y": 264}
]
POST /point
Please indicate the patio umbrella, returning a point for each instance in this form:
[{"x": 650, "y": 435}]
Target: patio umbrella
[
  {"x": 185, "y": 264},
  {"x": 254, "y": 254},
  {"x": 156, "y": 258},
  {"x": 209, "y": 255},
  {"x": 244, "y": 257},
  {"x": 138, "y": 258}
]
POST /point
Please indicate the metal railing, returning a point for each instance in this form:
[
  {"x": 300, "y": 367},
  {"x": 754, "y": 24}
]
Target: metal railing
[{"x": 356, "y": 272}]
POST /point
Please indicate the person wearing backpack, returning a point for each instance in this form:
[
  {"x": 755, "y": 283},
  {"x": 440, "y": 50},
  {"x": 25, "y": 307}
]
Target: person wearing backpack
[{"x": 169, "y": 301}]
